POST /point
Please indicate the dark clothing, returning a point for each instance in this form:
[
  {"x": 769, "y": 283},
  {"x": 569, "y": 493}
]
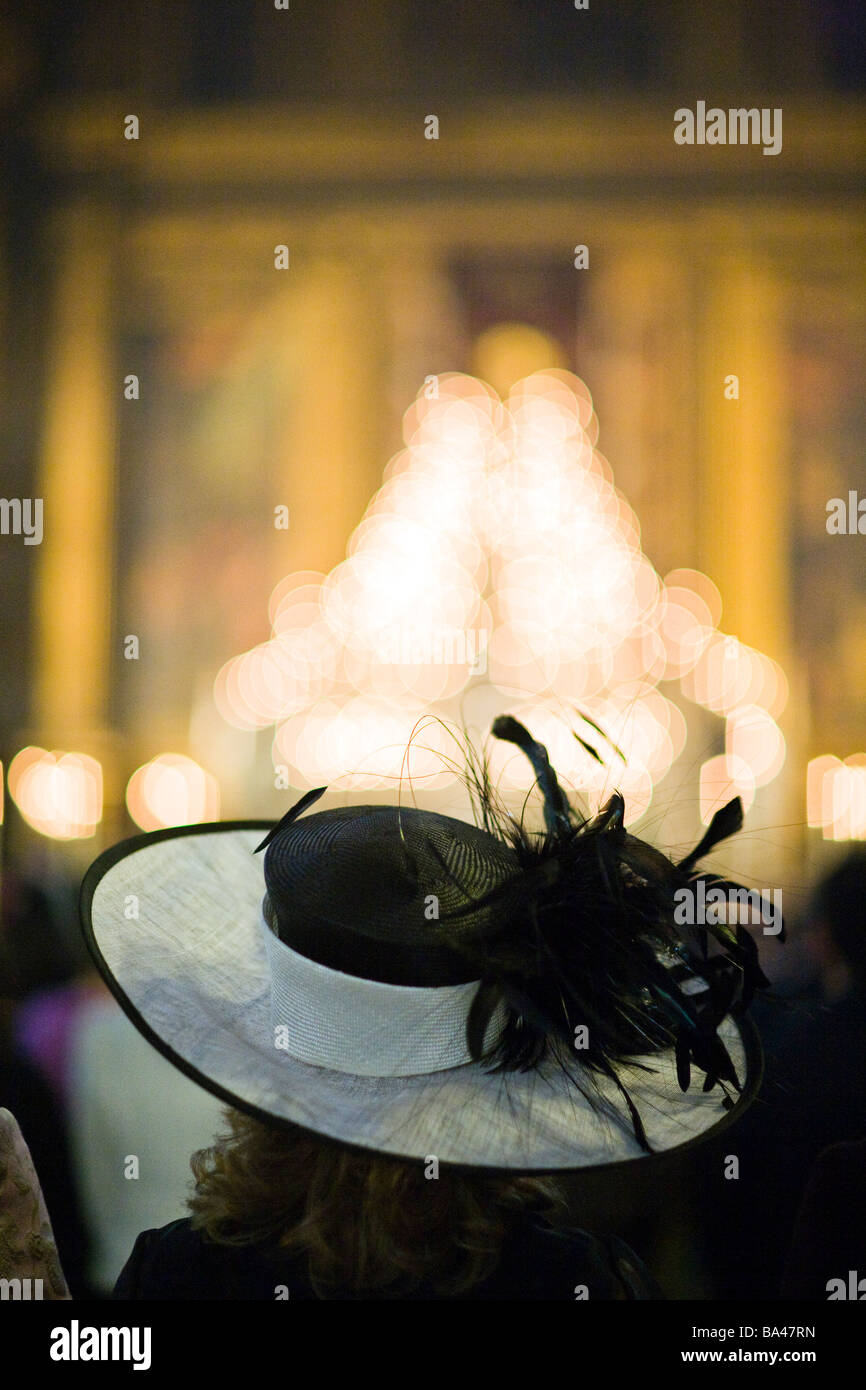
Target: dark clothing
[
  {"x": 814, "y": 1095},
  {"x": 177, "y": 1262},
  {"x": 830, "y": 1234}
]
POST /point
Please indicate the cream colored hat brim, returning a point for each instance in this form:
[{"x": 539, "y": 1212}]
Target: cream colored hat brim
[{"x": 191, "y": 972}]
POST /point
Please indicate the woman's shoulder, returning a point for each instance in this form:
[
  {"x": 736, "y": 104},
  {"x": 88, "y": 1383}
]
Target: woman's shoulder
[
  {"x": 538, "y": 1262},
  {"x": 178, "y": 1262},
  {"x": 567, "y": 1263}
]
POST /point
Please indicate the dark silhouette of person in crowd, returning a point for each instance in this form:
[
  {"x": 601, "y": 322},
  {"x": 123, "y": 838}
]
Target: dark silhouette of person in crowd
[
  {"x": 813, "y": 1096},
  {"x": 827, "y": 1259}
]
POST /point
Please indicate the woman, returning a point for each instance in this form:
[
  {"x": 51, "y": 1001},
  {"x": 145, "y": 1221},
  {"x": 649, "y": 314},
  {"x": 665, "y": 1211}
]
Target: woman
[
  {"x": 283, "y": 1214},
  {"x": 421, "y": 1028}
]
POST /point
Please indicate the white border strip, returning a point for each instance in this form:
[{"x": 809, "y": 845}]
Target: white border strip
[{"x": 364, "y": 1027}]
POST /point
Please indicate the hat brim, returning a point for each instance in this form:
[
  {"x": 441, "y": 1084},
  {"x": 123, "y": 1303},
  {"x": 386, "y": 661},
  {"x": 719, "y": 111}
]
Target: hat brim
[{"x": 171, "y": 919}]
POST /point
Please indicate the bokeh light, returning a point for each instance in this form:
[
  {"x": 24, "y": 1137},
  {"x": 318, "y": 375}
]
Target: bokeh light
[
  {"x": 752, "y": 735},
  {"x": 58, "y": 794},
  {"x": 499, "y": 552},
  {"x": 172, "y": 790},
  {"x": 721, "y": 779},
  {"x": 836, "y": 796}
]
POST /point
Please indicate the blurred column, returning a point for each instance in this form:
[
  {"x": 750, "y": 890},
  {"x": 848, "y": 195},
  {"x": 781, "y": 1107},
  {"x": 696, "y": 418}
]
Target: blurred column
[
  {"x": 743, "y": 453},
  {"x": 745, "y": 512},
  {"x": 422, "y": 313},
  {"x": 331, "y": 456},
  {"x": 76, "y": 483},
  {"x": 635, "y": 352}
]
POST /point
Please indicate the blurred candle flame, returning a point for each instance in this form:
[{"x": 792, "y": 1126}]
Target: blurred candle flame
[
  {"x": 172, "y": 790},
  {"x": 58, "y": 794},
  {"x": 498, "y": 529}
]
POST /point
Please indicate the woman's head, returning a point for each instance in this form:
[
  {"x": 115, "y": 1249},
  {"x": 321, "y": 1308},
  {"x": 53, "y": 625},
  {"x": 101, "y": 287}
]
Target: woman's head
[
  {"x": 362, "y": 1221},
  {"x": 839, "y": 919}
]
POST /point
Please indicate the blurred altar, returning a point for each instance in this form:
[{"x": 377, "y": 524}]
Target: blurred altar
[{"x": 260, "y": 264}]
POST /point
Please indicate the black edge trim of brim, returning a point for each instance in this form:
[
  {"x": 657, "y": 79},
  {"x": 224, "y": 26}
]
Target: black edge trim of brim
[{"x": 99, "y": 868}]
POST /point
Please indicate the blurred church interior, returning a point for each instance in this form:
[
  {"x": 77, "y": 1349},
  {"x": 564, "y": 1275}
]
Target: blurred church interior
[{"x": 171, "y": 390}]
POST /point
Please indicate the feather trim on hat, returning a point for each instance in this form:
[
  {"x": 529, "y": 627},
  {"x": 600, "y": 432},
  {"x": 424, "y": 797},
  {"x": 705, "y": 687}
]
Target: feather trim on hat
[{"x": 584, "y": 949}]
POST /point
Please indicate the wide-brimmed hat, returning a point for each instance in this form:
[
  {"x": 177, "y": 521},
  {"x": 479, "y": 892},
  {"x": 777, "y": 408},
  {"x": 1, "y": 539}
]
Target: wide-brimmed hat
[{"x": 407, "y": 983}]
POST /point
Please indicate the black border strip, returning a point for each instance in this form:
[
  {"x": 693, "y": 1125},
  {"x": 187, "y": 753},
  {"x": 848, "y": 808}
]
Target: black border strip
[{"x": 110, "y": 857}]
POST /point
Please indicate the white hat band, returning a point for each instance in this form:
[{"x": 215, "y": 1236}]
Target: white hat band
[{"x": 364, "y": 1027}]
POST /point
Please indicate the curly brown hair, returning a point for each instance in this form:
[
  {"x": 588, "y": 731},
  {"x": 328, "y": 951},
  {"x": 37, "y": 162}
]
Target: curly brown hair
[{"x": 365, "y": 1222}]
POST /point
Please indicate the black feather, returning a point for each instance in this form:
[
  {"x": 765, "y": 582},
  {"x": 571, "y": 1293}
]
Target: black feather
[
  {"x": 557, "y": 812},
  {"x": 480, "y": 1014},
  {"x": 588, "y": 748},
  {"x": 611, "y": 815},
  {"x": 683, "y": 1055},
  {"x": 725, "y": 822},
  {"x": 309, "y": 799},
  {"x": 592, "y": 724},
  {"x": 584, "y": 933}
]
